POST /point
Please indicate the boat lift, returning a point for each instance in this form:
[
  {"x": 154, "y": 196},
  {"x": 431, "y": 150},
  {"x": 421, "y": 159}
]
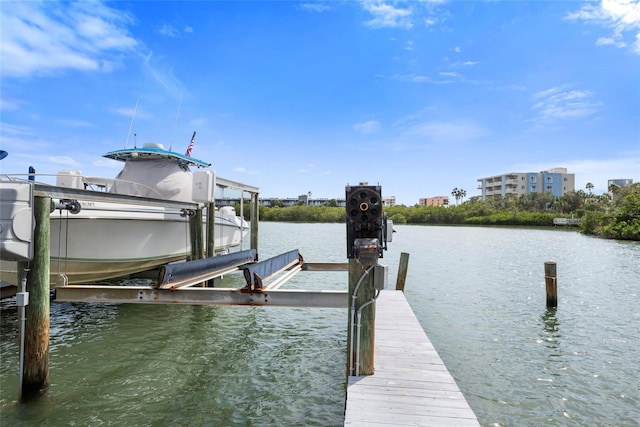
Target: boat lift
[{"x": 177, "y": 284}]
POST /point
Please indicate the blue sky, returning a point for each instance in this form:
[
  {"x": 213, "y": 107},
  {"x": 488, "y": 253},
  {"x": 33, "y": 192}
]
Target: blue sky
[{"x": 296, "y": 97}]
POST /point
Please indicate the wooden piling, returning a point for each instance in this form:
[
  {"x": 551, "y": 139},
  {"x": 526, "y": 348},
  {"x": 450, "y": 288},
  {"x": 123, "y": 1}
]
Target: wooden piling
[
  {"x": 551, "y": 283},
  {"x": 211, "y": 237},
  {"x": 195, "y": 233},
  {"x": 366, "y": 291},
  {"x": 35, "y": 378},
  {"x": 211, "y": 233},
  {"x": 197, "y": 240},
  {"x": 253, "y": 217},
  {"x": 402, "y": 271}
]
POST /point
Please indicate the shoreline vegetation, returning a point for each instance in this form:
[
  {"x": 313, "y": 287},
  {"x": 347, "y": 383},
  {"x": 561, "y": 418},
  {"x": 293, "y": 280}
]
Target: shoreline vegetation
[{"x": 611, "y": 217}]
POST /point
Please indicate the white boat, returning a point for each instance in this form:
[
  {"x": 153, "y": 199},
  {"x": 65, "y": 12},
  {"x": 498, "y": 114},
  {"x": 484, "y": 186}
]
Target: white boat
[{"x": 94, "y": 240}]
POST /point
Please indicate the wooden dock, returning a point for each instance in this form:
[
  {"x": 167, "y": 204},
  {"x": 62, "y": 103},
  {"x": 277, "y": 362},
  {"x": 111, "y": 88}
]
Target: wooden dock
[{"x": 411, "y": 386}]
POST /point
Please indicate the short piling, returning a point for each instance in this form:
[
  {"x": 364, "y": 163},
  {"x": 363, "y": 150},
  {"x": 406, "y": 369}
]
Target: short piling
[
  {"x": 35, "y": 369},
  {"x": 402, "y": 271},
  {"x": 551, "y": 283}
]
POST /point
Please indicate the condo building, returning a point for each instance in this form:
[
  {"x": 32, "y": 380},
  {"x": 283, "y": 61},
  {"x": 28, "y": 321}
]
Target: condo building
[
  {"x": 434, "y": 201},
  {"x": 555, "y": 181}
]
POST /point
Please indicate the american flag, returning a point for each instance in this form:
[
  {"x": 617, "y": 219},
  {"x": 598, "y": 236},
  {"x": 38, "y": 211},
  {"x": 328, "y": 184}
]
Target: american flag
[{"x": 188, "y": 153}]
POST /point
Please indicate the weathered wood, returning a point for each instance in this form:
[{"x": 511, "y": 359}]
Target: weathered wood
[
  {"x": 253, "y": 217},
  {"x": 211, "y": 236},
  {"x": 36, "y": 349},
  {"x": 196, "y": 238},
  {"x": 411, "y": 385},
  {"x": 195, "y": 233},
  {"x": 325, "y": 266},
  {"x": 402, "y": 271},
  {"x": 361, "y": 360},
  {"x": 211, "y": 229},
  {"x": 551, "y": 283}
]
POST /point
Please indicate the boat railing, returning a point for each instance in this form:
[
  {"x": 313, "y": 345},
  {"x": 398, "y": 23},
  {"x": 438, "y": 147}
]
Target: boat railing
[{"x": 77, "y": 181}]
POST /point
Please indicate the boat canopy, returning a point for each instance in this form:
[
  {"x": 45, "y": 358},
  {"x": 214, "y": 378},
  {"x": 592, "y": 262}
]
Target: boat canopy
[
  {"x": 152, "y": 171},
  {"x": 154, "y": 151}
]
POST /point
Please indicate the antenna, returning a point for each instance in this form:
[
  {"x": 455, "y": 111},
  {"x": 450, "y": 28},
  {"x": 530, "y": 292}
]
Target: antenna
[
  {"x": 135, "y": 110},
  {"x": 176, "y": 123}
]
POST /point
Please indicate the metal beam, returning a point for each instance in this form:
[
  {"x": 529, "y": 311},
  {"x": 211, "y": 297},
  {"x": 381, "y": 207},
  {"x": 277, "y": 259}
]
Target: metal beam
[
  {"x": 325, "y": 266},
  {"x": 202, "y": 296},
  {"x": 234, "y": 185}
]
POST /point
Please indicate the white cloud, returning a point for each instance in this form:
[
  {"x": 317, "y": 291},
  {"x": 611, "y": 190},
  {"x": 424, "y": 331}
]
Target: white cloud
[
  {"x": 129, "y": 112},
  {"x": 441, "y": 132},
  {"x": 559, "y": 104},
  {"x": 9, "y": 104},
  {"x": 610, "y": 41},
  {"x": 314, "y": 7},
  {"x": 168, "y": 30},
  {"x": 367, "y": 127},
  {"x": 48, "y": 37},
  {"x": 8, "y": 129},
  {"x": 171, "y": 31},
  {"x": 63, "y": 160},
  {"x": 622, "y": 16},
  {"x": 387, "y": 16},
  {"x": 163, "y": 74},
  {"x": 74, "y": 123}
]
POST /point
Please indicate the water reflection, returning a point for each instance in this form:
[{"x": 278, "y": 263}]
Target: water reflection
[{"x": 550, "y": 334}]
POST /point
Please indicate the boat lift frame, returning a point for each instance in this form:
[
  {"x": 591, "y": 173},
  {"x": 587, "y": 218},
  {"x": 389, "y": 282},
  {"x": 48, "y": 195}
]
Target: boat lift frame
[{"x": 263, "y": 284}]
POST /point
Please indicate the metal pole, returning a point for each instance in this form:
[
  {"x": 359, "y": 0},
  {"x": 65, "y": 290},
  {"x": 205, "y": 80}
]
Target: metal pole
[{"x": 22, "y": 300}]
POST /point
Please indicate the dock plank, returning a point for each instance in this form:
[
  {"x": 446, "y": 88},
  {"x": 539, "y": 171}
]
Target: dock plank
[{"x": 411, "y": 385}]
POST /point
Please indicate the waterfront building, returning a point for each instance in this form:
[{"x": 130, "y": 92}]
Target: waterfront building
[
  {"x": 434, "y": 201},
  {"x": 554, "y": 181},
  {"x": 389, "y": 201}
]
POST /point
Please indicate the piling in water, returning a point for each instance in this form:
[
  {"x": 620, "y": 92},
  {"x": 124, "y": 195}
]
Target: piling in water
[
  {"x": 35, "y": 371},
  {"x": 551, "y": 283}
]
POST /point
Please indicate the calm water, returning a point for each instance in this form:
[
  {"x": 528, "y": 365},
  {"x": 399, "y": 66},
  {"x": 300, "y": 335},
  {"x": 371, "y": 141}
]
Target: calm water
[{"x": 478, "y": 292}]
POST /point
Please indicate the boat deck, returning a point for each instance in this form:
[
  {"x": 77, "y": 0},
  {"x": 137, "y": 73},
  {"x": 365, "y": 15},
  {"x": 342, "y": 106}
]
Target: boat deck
[{"x": 411, "y": 386}]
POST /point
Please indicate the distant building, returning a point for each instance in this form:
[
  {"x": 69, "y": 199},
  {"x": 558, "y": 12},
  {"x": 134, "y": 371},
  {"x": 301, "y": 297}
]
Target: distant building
[
  {"x": 434, "y": 201},
  {"x": 554, "y": 181},
  {"x": 389, "y": 201},
  {"x": 622, "y": 183},
  {"x": 619, "y": 182}
]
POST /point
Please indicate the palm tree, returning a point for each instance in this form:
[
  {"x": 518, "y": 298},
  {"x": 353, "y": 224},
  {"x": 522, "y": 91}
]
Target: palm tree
[
  {"x": 458, "y": 193},
  {"x": 589, "y": 187}
]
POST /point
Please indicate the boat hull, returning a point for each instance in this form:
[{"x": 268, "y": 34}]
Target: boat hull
[{"x": 109, "y": 240}]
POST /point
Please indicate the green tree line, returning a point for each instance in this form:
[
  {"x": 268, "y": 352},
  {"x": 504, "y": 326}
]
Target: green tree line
[{"x": 616, "y": 217}]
